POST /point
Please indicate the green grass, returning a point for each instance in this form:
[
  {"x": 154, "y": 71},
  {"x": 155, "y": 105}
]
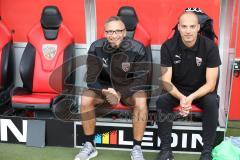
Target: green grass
[
  {"x": 22, "y": 152},
  {"x": 233, "y": 129}
]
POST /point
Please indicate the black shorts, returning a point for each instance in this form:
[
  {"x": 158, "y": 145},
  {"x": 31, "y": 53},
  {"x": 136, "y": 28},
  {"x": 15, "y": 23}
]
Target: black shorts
[{"x": 124, "y": 96}]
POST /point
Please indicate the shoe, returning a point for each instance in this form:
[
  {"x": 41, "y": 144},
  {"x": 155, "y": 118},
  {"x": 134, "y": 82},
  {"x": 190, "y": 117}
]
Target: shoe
[
  {"x": 136, "y": 153},
  {"x": 206, "y": 155},
  {"x": 87, "y": 152},
  {"x": 165, "y": 155}
]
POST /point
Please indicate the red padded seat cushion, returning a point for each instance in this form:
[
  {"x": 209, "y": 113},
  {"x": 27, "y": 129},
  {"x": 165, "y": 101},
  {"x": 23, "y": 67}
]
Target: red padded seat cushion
[{"x": 34, "y": 98}]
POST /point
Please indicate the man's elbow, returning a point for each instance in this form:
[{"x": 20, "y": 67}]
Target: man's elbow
[
  {"x": 167, "y": 86},
  {"x": 212, "y": 87}
]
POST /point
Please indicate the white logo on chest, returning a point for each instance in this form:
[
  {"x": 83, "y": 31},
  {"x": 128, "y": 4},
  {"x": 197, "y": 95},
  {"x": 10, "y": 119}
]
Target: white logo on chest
[
  {"x": 125, "y": 66},
  {"x": 198, "y": 61},
  {"x": 178, "y": 59},
  {"x": 105, "y": 62}
]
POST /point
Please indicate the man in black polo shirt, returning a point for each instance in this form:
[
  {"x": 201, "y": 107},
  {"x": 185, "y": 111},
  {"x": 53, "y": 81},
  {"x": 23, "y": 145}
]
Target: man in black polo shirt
[
  {"x": 114, "y": 66},
  {"x": 189, "y": 66}
]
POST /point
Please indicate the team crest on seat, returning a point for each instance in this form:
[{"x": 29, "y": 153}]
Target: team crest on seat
[
  {"x": 49, "y": 51},
  {"x": 125, "y": 66}
]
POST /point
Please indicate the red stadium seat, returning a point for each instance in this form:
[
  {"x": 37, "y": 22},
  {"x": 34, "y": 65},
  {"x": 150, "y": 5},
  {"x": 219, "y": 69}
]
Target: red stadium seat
[
  {"x": 194, "y": 109},
  {"x": 120, "y": 106},
  {"x": 134, "y": 27},
  {"x": 6, "y": 65},
  {"x": 50, "y": 45}
]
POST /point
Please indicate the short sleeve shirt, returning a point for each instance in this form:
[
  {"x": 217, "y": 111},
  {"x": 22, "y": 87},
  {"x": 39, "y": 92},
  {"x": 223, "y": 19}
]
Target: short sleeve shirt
[{"x": 189, "y": 64}]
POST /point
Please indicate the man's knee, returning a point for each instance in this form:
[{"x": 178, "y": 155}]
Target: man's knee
[
  {"x": 138, "y": 99},
  {"x": 164, "y": 102},
  {"x": 88, "y": 100},
  {"x": 210, "y": 101}
]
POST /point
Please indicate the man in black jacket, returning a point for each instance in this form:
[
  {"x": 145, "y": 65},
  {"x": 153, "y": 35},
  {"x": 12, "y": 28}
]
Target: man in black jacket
[
  {"x": 189, "y": 66},
  {"x": 116, "y": 72}
]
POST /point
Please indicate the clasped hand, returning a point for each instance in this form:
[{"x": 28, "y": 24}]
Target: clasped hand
[
  {"x": 112, "y": 96},
  {"x": 186, "y": 105}
]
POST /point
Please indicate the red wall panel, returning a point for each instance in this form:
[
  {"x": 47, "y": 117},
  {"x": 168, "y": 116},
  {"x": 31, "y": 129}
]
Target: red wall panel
[
  {"x": 0, "y": 8},
  {"x": 157, "y": 16},
  {"x": 234, "y": 113},
  {"x": 238, "y": 39},
  {"x": 21, "y": 15},
  {"x": 234, "y": 27}
]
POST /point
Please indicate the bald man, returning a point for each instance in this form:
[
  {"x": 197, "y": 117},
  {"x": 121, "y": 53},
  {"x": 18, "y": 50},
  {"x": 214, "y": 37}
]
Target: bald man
[
  {"x": 112, "y": 77},
  {"x": 189, "y": 66}
]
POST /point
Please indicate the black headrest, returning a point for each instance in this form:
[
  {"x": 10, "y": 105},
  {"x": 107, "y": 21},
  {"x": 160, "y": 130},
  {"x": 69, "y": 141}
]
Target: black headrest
[
  {"x": 129, "y": 17},
  {"x": 51, "y": 20},
  {"x": 202, "y": 17}
]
